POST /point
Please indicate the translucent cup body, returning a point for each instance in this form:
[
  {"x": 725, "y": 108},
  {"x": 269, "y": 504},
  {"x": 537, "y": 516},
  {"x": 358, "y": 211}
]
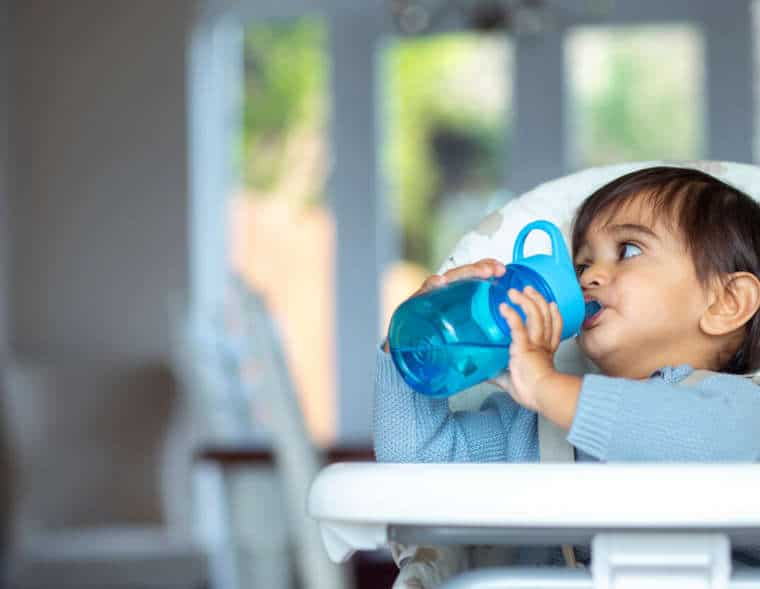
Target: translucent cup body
[{"x": 454, "y": 337}]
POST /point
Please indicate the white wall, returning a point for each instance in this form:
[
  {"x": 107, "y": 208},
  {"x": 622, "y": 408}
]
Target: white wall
[{"x": 99, "y": 209}]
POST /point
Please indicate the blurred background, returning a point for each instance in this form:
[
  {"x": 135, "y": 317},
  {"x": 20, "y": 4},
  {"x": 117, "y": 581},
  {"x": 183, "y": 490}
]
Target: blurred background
[{"x": 210, "y": 208}]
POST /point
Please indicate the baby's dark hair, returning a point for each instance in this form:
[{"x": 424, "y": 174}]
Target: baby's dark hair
[{"x": 719, "y": 226}]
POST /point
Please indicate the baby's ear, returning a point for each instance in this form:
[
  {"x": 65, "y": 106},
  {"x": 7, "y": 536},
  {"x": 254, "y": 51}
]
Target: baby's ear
[{"x": 736, "y": 299}]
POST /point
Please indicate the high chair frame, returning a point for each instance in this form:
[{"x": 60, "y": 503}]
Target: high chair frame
[{"x": 648, "y": 525}]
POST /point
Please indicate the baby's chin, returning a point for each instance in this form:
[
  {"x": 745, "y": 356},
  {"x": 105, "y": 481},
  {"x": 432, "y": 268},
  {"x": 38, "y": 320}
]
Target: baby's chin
[
  {"x": 598, "y": 352},
  {"x": 583, "y": 343},
  {"x": 608, "y": 360}
]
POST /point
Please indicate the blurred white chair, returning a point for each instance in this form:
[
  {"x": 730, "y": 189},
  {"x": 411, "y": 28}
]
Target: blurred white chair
[
  {"x": 234, "y": 371},
  {"x": 87, "y": 445}
]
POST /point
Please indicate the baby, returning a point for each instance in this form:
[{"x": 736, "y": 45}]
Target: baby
[{"x": 673, "y": 257}]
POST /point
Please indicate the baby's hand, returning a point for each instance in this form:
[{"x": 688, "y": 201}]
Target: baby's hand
[
  {"x": 485, "y": 268},
  {"x": 531, "y": 354}
]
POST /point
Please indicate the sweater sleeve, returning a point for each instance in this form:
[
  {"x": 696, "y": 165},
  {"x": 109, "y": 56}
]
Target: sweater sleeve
[
  {"x": 410, "y": 427},
  {"x": 715, "y": 420}
]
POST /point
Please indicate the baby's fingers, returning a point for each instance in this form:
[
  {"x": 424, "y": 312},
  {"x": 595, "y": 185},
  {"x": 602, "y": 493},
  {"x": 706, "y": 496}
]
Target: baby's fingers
[
  {"x": 533, "y": 316},
  {"x": 485, "y": 268},
  {"x": 556, "y": 325},
  {"x": 516, "y": 326},
  {"x": 431, "y": 283},
  {"x": 545, "y": 313}
]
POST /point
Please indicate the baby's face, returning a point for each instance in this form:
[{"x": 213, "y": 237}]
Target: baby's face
[{"x": 640, "y": 272}]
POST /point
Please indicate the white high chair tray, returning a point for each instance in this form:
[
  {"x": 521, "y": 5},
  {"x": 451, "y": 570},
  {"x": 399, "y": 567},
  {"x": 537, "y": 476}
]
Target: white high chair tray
[{"x": 363, "y": 506}]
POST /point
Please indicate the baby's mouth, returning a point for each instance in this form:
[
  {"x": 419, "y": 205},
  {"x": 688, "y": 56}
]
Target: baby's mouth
[{"x": 593, "y": 310}]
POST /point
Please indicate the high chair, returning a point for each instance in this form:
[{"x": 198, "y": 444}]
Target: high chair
[{"x": 647, "y": 525}]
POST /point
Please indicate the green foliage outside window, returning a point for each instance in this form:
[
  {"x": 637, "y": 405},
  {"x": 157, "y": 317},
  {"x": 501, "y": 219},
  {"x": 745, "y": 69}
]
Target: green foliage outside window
[
  {"x": 285, "y": 82},
  {"x": 443, "y": 137},
  {"x": 648, "y": 104},
  {"x": 444, "y": 134}
]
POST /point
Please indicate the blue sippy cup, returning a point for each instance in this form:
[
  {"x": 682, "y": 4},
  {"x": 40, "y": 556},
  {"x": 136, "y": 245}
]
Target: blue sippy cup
[{"x": 451, "y": 338}]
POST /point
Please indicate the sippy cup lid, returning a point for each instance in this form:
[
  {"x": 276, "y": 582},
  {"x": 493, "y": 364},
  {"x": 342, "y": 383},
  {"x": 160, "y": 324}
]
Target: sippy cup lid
[{"x": 558, "y": 273}]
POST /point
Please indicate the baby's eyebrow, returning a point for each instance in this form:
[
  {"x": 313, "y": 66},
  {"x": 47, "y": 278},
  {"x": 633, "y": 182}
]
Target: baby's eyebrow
[
  {"x": 581, "y": 253},
  {"x": 582, "y": 250},
  {"x": 631, "y": 228}
]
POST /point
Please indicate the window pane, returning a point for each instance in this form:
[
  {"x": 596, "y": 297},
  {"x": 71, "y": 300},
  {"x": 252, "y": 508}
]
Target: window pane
[
  {"x": 447, "y": 100},
  {"x": 636, "y": 92},
  {"x": 281, "y": 238}
]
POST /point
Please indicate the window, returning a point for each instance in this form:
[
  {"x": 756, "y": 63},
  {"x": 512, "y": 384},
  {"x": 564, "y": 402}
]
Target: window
[
  {"x": 281, "y": 234},
  {"x": 426, "y": 129},
  {"x": 636, "y": 94},
  {"x": 447, "y": 105}
]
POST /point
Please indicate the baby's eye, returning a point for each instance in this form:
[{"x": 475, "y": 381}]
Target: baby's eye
[
  {"x": 579, "y": 268},
  {"x": 629, "y": 250}
]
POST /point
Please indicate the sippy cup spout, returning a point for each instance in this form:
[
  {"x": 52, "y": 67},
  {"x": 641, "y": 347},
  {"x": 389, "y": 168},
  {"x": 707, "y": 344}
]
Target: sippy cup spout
[{"x": 592, "y": 308}]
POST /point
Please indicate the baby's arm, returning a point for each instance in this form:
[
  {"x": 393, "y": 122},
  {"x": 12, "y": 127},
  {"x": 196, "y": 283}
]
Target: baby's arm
[
  {"x": 411, "y": 427},
  {"x": 717, "y": 419}
]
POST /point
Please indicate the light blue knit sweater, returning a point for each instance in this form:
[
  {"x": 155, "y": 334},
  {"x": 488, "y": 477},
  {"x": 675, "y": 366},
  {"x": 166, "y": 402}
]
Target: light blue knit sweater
[{"x": 717, "y": 419}]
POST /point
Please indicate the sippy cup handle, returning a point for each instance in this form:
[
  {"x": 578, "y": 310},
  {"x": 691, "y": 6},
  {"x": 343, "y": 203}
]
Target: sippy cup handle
[
  {"x": 557, "y": 271},
  {"x": 559, "y": 251}
]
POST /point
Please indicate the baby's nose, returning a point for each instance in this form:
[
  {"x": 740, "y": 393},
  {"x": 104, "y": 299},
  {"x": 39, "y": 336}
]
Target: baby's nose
[{"x": 595, "y": 275}]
